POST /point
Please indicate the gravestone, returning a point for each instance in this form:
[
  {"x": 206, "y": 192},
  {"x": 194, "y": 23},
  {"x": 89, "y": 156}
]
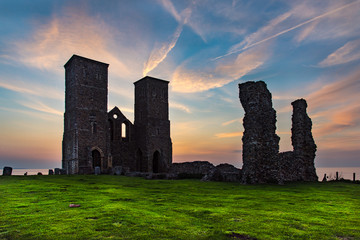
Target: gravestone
[
  {"x": 7, "y": 171},
  {"x": 57, "y": 171},
  {"x": 51, "y": 172},
  {"x": 97, "y": 171}
]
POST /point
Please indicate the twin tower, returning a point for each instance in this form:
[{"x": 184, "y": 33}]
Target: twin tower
[{"x": 94, "y": 137}]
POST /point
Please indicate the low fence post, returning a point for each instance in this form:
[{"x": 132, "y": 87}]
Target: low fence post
[
  {"x": 337, "y": 176},
  {"x": 324, "y": 179},
  {"x": 354, "y": 177}
]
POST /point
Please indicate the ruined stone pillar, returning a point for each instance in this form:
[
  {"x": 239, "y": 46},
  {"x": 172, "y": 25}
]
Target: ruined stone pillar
[
  {"x": 302, "y": 141},
  {"x": 260, "y": 142}
]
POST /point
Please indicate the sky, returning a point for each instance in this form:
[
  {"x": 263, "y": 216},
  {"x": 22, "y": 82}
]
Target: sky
[{"x": 205, "y": 48}]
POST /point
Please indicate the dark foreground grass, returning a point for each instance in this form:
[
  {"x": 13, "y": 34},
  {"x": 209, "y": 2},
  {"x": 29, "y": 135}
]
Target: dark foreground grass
[{"x": 114, "y": 207}]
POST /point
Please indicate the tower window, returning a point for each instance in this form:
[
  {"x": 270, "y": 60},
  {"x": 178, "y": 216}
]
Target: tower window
[
  {"x": 123, "y": 130},
  {"x": 115, "y": 116}
]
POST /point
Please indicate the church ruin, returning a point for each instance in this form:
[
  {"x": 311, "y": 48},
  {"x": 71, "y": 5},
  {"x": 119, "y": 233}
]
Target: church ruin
[
  {"x": 94, "y": 137},
  {"x": 262, "y": 162},
  {"x": 97, "y": 140}
]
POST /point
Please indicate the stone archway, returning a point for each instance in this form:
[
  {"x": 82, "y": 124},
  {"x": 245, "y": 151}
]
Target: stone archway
[{"x": 96, "y": 158}]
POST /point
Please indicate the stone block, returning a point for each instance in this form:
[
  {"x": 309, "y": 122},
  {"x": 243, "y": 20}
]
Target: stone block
[{"x": 7, "y": 171}]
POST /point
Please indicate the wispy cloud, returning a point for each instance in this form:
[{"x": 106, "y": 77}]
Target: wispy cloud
[
  {"x": 217, "y": 74},
  {"x": 72, "y": 32},
  {"x": 161, "y": 50},
  {"x": 260, "y": 36},
  {"x": 340, "y": 93},
  {"x": 179, "y": 106},
  {"x": 238, "y": 120},
  {"x": 347, "y": 53},
  {"x": 229, "y": 135},
  {"x": 41, "y": 107},
  {"x": 31, "y": 89}
]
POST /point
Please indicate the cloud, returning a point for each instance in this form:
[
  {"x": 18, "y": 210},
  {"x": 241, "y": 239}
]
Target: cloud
[
  {"x": 286, "y": 22},
  {"x": 340, "y": 93},
  {"x": 238, "y": 120},
  {"x": 161, "y": 50},
  {"x": 73, "y": 32},
  {"x": 169, "y": 6},
  {"x": 179, "y": 106},
  {"x": 41, "y": 107},
  {"x": 229, "y": 135},
  {"x": 339, "y": 120},
  {"x": 217, "y": 73},
  {"x": 335, "y": 112},
  {"x": 31, "y": 89},
  {"x": 347, "y": 53}
]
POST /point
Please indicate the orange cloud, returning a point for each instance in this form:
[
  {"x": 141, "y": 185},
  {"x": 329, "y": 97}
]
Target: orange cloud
[
  {"x": 229, "y": 135},
  {"x": 339, "y": 93},
  {"x": 74, "y": 32},
  {"x": 225, "y": 71}
]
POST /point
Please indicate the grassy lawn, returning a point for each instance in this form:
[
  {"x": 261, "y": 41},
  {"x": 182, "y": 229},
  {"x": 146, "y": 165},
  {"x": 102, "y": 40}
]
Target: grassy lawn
[{"x": 118, "y": 207}]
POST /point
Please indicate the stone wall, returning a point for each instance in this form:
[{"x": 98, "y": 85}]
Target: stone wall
[
  {"x": 303, "y": 141},
  {"x": 260, "y": 142},
  {"x": 262, "y": 162},
  {"x": 196, "y": 169}
]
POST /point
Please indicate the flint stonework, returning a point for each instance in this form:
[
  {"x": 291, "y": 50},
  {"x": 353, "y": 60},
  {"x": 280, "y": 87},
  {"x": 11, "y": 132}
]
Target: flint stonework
[
  {"x": 303, "y": 141},
  {"x": 260, "y": 142},
  {"x": 262, "y": 162}
]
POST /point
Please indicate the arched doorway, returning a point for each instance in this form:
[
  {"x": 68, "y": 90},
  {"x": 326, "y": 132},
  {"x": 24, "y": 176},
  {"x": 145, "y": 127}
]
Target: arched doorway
[
  {"x": 96, "y": 158},
  {"x": 156, "y": 162},
  {"x": 139, "y": 159}
]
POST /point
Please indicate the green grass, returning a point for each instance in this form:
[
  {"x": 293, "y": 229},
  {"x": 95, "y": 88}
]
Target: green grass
[{"x": 118, "y": 207}]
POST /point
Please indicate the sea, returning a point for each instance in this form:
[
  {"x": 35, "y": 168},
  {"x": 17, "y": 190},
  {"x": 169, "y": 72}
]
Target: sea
[{"x": 343, "y": 172}]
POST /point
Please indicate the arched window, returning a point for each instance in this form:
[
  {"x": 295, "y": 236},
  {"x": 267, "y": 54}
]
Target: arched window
[{"x": 123, "y": 130}]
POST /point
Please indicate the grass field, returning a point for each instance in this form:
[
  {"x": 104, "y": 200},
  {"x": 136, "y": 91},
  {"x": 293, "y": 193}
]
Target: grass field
[{"x": 118, "y": 207}]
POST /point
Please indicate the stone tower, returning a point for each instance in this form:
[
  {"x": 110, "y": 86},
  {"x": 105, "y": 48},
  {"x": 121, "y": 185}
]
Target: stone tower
[
  {"x": 85, "y": 137},
  {"x": 152, "y": 125}
]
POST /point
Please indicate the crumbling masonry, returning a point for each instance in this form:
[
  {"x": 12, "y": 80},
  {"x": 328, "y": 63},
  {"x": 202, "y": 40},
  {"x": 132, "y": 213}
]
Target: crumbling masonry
[{"x": 262, "y": 162}]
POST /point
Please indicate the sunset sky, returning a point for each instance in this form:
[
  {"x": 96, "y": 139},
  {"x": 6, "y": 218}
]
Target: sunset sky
[{"x": 301, "y": 49}]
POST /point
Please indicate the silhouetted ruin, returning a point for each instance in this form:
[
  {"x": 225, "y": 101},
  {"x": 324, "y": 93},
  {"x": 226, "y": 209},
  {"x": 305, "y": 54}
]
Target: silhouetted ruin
[
  {"x": 95, "y": 139},
  {"x": 262, "y": 162}
]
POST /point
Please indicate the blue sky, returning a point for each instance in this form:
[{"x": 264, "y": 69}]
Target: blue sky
[{"x": 301, "y": 49}]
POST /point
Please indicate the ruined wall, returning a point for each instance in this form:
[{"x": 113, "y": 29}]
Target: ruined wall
[
  {"x": 303, "y": 141},
  {"x": 262, "y": 161},
  {"x": 260, "y": 142},
  {"x": 122, "y": 140}
]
